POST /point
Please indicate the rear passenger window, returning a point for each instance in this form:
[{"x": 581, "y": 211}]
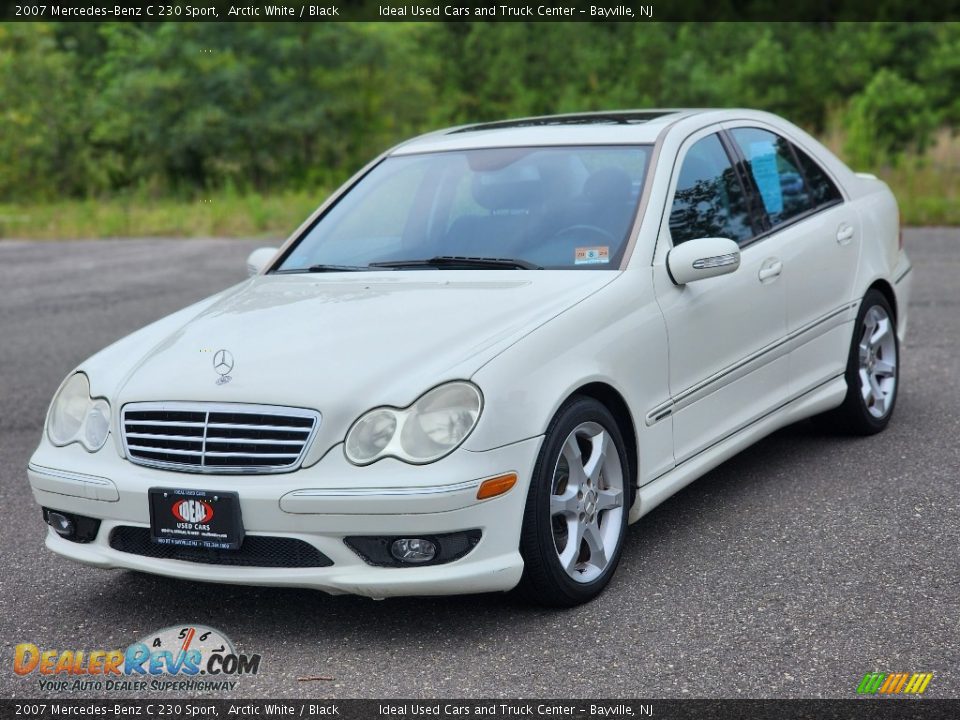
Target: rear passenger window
[
  {"x": 776, "y": 177},
  {"x": 822, "y": 189},
  {"x": 709, "y": 200}
]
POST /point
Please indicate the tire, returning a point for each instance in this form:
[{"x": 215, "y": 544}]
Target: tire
[
  {"x": 575, "y": 493},
  {"x": 872, "y": 374}
]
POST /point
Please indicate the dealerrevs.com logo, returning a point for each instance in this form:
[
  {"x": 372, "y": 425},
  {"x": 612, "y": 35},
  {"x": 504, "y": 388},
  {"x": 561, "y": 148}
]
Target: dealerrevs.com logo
[{"x": 179, "y": 658}]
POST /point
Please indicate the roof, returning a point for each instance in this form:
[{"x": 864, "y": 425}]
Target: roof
[{"x": 627, "y": 127}]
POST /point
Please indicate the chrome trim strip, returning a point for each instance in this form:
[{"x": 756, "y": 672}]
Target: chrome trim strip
[
  {"x": 199, "y": 439},
  {"x": 746, "y": 426},
  {"x": 660, "y": 412},
  {"x": 755, "y": 360},
  {"x": 178, "y": 438},
  {"x": 71, "y": 476},
  {"x": 222, "y": 426},
  {"x": 368, "y": 492},
  {"x": 716, "y": 261},
  {"x": 165, "y": 451},
  {"x": 293, "y": 462},
  {"x": 281, "y": 428},
  {"x": 214, "y": 453}
]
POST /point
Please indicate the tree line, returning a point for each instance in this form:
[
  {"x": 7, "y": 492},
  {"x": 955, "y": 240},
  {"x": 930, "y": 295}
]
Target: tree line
[{"x": 178, "y": 109}]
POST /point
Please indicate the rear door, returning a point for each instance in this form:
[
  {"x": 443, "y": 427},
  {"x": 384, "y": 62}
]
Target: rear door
[{"x": 819, "y": 235}]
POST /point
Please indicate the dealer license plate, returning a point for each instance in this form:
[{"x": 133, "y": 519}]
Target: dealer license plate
[{"x": 195, "y": 518}]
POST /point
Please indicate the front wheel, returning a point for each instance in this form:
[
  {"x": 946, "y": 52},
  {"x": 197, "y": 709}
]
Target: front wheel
[
  {"x": 873, "y": 371},
  {"x": 575, "y": 518}
]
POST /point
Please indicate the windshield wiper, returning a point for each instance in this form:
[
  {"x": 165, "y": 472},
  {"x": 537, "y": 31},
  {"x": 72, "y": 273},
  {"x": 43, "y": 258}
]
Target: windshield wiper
[
  {"x": 325, "y": 268},
  {"x": 454, "y": 262}
]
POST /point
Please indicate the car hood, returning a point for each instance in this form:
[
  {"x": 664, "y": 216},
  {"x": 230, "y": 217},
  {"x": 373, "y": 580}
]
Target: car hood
[{"x": 342, "y": 344}]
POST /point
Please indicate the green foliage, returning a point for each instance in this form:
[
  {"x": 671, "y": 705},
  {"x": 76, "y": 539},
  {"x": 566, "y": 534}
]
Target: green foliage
[
  {"x": 181, "y": 110},
  {"x": 890, "y": 115}
]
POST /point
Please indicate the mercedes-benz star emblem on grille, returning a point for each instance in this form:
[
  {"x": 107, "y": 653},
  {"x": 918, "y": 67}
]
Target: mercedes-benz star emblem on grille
[{"x": 223, "y": 364}]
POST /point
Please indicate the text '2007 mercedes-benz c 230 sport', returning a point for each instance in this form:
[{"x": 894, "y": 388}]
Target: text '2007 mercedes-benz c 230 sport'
[{"x": 485, "y": 355}]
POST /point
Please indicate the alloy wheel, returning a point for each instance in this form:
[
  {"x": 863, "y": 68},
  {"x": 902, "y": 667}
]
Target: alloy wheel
[
  {"x": 878, "y": 361},
  {"x": 586, "y": 495}
]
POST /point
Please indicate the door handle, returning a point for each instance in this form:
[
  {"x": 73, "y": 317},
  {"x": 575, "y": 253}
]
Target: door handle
[
  {"x": 844, "y": 234},
  {"x": 770, "y": 270}
]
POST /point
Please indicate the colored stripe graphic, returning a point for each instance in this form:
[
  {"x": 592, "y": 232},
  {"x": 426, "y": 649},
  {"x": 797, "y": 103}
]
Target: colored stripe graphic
[
  {"x": 871, "y": 683},
  {"x": 918, "y": 683},
  {"x": 894, "y": 683}
]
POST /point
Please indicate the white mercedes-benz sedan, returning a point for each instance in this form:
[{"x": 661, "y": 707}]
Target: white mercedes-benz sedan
[{"x": 484, "y": 356}]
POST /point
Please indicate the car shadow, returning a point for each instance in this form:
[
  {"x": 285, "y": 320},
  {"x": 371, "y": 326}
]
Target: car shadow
[{"x": 300, "y": 616}]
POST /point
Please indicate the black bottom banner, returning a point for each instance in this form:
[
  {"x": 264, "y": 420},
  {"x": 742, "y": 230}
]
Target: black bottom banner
[{"x": 865, "y": 709}]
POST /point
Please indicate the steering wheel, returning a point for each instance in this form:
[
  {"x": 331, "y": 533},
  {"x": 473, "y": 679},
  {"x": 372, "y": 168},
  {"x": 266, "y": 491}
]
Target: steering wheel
[{"x": 597, "y": 231}]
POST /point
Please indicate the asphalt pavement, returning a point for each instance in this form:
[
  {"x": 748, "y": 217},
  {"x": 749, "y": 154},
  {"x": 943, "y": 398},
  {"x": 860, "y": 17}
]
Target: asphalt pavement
[{"x": 789, "y": 571}]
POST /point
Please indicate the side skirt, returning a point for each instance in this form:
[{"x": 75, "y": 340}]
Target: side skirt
[{"x": 819, "y": 399}]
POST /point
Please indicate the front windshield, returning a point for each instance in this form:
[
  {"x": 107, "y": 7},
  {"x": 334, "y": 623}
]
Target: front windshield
[{"x": 550, "y": 207}]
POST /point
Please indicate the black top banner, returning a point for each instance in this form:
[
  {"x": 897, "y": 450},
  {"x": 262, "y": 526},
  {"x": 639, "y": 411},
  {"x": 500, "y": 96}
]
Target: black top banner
[{"x": 820, "y": 11}]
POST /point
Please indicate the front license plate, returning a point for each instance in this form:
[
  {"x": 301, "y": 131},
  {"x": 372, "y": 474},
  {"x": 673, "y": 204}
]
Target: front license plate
[{"x": 195, "y": 518}]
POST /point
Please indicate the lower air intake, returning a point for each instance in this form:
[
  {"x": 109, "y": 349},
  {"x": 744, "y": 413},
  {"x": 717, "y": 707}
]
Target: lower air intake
[{"x": 257, "y": 551}]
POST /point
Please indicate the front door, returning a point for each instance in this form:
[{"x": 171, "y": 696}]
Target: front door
[{"x": 728, "y": 365}]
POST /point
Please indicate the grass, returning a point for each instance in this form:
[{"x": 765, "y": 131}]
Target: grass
[
  {"x": 927, "y": 188},
  {"x": 218, "y": 215}
]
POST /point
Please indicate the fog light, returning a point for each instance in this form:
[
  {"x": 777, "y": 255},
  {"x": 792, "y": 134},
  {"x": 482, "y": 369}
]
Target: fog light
[
  {"x": 413, "y": 550},
  {"x": 61, "y": 524},
  {"x": 391, "y": 551},
  {"x": 75, "y": 528}
]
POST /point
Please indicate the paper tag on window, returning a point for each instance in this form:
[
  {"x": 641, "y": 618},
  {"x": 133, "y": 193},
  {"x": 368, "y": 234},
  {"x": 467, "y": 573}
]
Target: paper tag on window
[
  {"x": 591, "y": 255},
  {"x": 763, "y": 164}
]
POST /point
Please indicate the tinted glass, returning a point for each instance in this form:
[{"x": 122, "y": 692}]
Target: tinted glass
[
  {"x": 778, "y": 180},
  {"x": 709, "y": 200},
  {"x": 822, "y": 189},
  {"x": 562, "y": 207}
]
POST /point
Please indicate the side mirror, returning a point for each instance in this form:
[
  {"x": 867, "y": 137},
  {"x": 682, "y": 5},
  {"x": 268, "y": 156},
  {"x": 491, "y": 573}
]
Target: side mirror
[
  {"x": 258, "y": 259},
  {"x": 702, "y": 258}
]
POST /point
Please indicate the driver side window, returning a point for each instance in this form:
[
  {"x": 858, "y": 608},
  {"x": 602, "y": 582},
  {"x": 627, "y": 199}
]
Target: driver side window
[{"x": 709, "y": 200}]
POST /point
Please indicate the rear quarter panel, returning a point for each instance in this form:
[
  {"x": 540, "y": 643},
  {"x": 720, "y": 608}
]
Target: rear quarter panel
[{"x": 880, "y": 228}]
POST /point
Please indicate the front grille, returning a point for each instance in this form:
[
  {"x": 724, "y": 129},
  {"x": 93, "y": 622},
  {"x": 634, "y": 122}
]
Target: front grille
[
  {"x": 256, "y": 550},
  {"x": 217, "y": 438}
]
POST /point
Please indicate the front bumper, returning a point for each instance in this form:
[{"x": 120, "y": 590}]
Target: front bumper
[{"x": 320, "y": 505}]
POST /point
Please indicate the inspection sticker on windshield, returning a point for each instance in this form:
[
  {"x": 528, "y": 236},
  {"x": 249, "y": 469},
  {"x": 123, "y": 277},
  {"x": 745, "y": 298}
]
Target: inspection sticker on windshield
[{"x": 591, "y": 255}]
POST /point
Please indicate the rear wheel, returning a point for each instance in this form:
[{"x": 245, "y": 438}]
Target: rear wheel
[
  {"x": 576, "y": 514},
  {"x": 873, "y": 371}
]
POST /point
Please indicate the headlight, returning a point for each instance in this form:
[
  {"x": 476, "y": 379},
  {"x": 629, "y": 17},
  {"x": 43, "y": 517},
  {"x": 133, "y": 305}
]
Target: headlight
[
  {"x": 434, "y": 426},
  {"x": 76, "y": 417}
]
